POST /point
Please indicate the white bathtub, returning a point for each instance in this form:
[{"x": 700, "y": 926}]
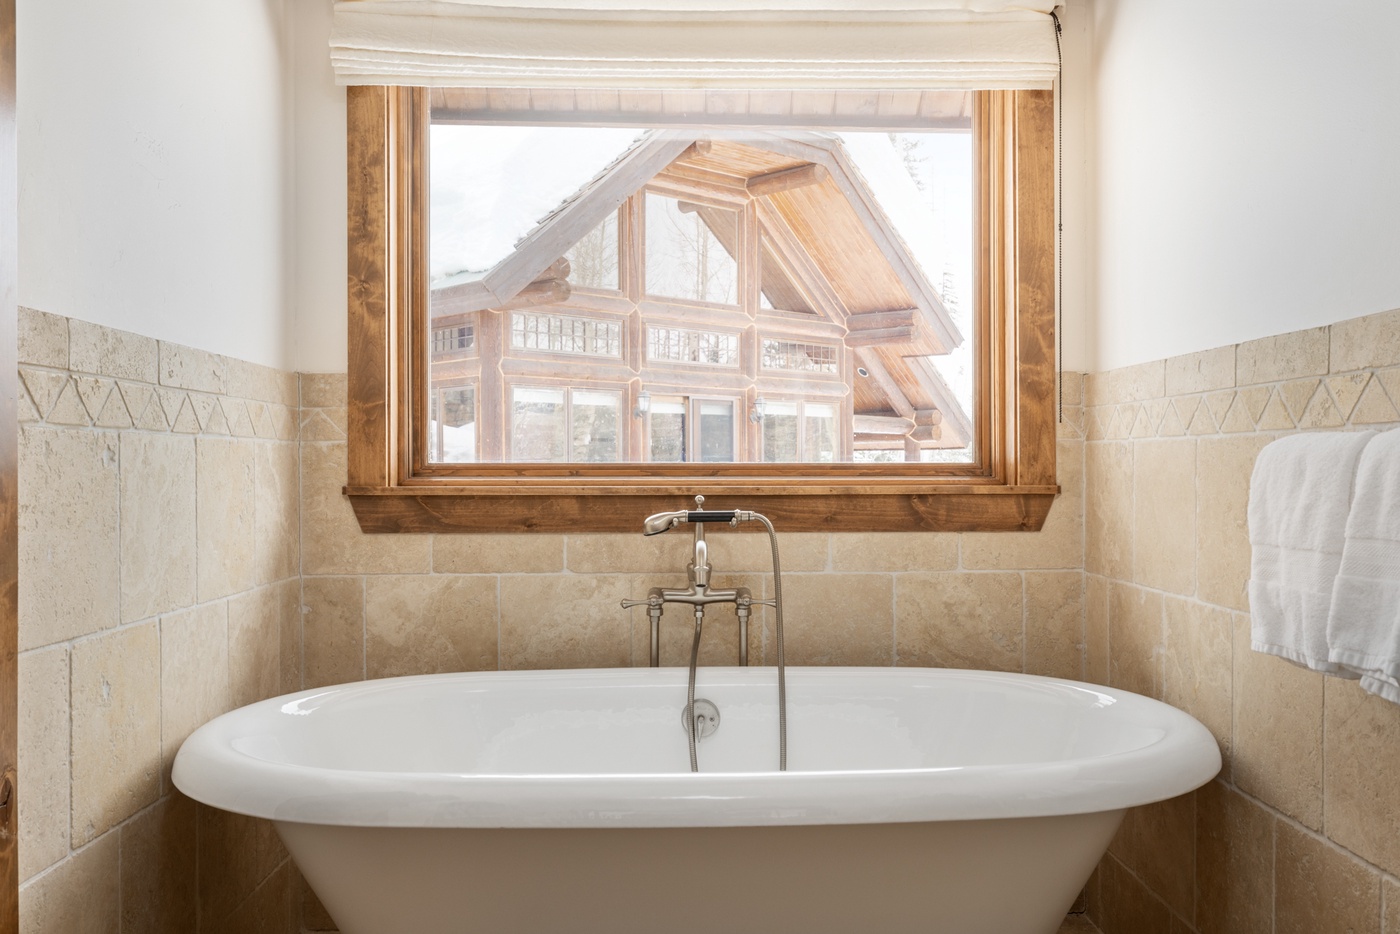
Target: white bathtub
[{"x": 561, "y": 802}]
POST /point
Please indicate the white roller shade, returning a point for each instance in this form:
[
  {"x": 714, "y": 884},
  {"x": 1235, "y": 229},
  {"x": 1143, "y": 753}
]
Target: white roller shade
[{"x": 670, "y": 44}]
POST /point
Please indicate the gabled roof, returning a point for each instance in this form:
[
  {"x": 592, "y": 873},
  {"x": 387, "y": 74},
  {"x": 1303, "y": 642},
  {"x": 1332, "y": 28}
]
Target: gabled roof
[{"x": 826, "y": 226}]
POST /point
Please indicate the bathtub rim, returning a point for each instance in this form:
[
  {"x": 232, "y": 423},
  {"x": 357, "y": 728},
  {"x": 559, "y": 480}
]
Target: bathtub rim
[{"x": 1183, "y": 758}]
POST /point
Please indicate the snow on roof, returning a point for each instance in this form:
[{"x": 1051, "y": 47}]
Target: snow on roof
[{"x": 492, "y": 184}]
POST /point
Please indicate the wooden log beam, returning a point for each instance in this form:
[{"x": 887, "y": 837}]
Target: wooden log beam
[
  {"x": 876, "y": 337},
  {"x": 539, "y": 292},
  {"x": 800, "y": 176},
  {"x": 881, "y": 425}
]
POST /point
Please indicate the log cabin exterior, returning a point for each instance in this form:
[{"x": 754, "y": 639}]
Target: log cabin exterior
[{"x": 703, "y": 298}]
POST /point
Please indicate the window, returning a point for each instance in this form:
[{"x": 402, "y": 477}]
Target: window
[
  {"x": 800, "y": 431},
  {"x": 395, "y": 484},
  {"x": 450, "y": 340},
  {"x": 554, "y": 425}
]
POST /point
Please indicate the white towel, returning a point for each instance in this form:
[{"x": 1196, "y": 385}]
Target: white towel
[
  {"x": 1364, "y": 626},
  {"x": 1299, "y": 499}
]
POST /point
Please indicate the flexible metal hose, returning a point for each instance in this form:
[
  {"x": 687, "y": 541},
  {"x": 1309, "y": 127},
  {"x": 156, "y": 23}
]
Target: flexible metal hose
[
  {"x": 782, "y": 659},
  {"x": 690, "y": 725}
]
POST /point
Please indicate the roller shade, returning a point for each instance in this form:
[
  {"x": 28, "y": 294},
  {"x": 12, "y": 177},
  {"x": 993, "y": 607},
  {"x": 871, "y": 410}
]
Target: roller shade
[{"x": 681, "y": 44}]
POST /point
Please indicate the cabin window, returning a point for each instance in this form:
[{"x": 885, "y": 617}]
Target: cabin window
[
  {"x": 557, "y": 425},
  {"x": 806, "y": 304}
]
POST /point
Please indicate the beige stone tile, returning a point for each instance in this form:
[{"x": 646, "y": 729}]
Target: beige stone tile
[
  {"x": 255, "y": 627},
  {"x": 1361, "y": 761},
  {"x": 1275, "y": 416},
  {"x": 331, "y": 540},
  {"x": 1135, "y": 635},
  {"x": 158, "y": 868},
  {"x": 194, "y": 682},
  {"x": 276, "y": 490},
  {"x": 333, "y": 630},
  {"x": 322, "y": 425},
  {"x": 190, "y": 368},
  {"x": 225, "y": 510},
  {"x": 627, "y": 553},
  {"x": 1158, "y": 843},
  {"x": 270, "y": 908},
  {"x": 1278, "y": 731},
  {"x": 1390, "y": 380},
  {"x": 1148, "y": 418},
  {"x": 835, "y": 619},
  {"x": 240, "y": 424},
  {"x": 1372, "y": 341},
  {"x": 1199, "y": 666},
  {"x": 1219, "y": 404},
  {"x": 68, "y": 557},
  {"x": 1077, "y": 924},
  {"x": 960, "y": 620},
  {"x": 113, "y": 413},
  {"x": 499, "y": 554},
  {"x": 1108, "y": 509},
  {"x": 1201, "y": 372},
  {"x": 1234, "y": 863},
  {"x": 264, "y": 383},
  {"x": 1055, "y": 624},
  {"x": 1346, "y": 391},
  {"x": 116, "y": 728},
  {"x": 1164, "y": 515},
  {"x": 1096, "y": 648},
  {"x": 1320, "y": 888},
  {"x": 1128, "y": 907},
  {"x": 235, "y": 854},
  {"x": 429, "y": 623},
  {"x": 289, "y": 600},
  {"x": 69, "y": 408},
  {"x": 44, "y": 730},
  {"x": 44, "y": 387},
  {"x": 1297, "y": 394},
  {"x": 1321, "y": 412},
  {"x": 898, "y": 551},
  {"x": 1072, "y": 387},
  {"x": 157, "y": 524},
  {"x": 750, "y": 551},
  {"x": 323, "y": 390},
  {"x": 565, "y": 621},
  {"x": 1282, "y": 357},
  {"x": 81, "y": 895},
  {"x": 1390, "y": 895},
  {"x": 1374, "y": 407},
  {"x": 43, "y": 338},
  {"x": 93, "y": 348},
  {"x": 1223, "y": 469},
  {"x": 1202, "y": 420},
  {"x": 1059, "y": 544},
  {"x": 1172, "y": 424},
  {"x": 93, "y": 392},
  {"x": 1130, "y": 384}
]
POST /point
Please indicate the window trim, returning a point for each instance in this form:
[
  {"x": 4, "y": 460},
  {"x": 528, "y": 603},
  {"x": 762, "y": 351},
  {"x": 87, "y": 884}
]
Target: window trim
[{"x": 1015, "y": 428}]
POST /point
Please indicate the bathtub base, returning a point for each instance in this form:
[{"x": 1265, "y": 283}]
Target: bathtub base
[{"x": 1013, "y": 876}]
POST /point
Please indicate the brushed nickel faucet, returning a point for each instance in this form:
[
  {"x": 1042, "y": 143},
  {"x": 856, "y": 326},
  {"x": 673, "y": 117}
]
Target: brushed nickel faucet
[{"x": 698, "y": 595}]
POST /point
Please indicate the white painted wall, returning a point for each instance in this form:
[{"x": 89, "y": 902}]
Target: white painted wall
[
  {"x": 153, "y": 162},
  {"x": 319, "y": 204},
  {"x": 1246, "y": 170}
]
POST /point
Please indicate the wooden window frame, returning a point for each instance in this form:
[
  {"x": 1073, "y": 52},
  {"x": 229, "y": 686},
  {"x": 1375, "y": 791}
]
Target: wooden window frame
[{"x": 1009, "y": 489}]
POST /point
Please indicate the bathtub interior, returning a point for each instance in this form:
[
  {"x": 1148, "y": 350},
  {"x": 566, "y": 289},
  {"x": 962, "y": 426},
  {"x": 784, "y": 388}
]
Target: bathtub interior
[{"x": 630, "y": 723}]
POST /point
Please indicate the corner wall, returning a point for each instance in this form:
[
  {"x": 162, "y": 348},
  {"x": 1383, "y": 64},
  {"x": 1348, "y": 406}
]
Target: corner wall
[
  {"x": 158, "y": 589},
  {"x": 1298, "y": 833}
]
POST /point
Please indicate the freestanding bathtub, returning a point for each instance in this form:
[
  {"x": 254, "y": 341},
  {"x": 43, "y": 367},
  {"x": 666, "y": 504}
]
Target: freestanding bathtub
[{"x": 561, "y": 802}]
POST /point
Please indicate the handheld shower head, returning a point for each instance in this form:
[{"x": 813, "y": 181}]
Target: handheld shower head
[{"x": 663, "y": 522}]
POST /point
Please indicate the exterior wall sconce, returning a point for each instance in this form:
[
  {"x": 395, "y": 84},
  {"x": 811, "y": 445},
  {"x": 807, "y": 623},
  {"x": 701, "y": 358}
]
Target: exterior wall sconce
[
  {"x": 760, "y": 405},
  {"x": 643, "y": 404}
]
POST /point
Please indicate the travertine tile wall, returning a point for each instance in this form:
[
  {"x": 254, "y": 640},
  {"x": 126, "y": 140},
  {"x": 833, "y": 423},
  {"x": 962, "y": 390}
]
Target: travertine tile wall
[
  {"x": 159, "y": 583},
  {"x": 1301, "y": 832},
  {"x": 381, "y": 605}
]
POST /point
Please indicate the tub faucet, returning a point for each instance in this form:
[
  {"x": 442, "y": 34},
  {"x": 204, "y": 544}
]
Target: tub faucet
[{"x": 700, "y": 595}]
